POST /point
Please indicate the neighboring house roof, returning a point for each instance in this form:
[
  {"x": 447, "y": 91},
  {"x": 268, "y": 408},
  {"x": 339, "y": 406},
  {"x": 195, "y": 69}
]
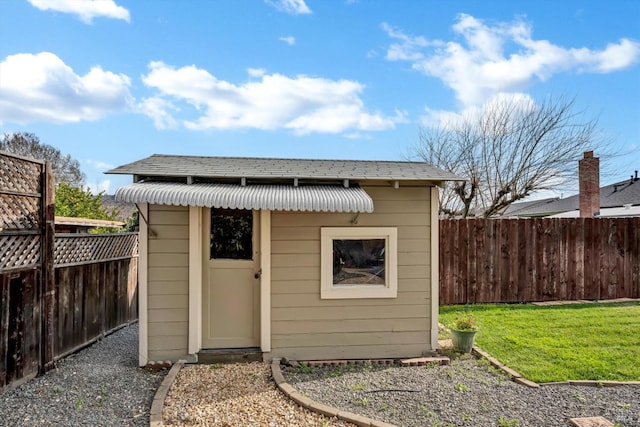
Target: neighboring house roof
[
  {"x": 619, "y": 194},
  {"x": 159, "y": 165},
  {"x": 516, "y": 208},
  {"x": 627, "y": 210}
]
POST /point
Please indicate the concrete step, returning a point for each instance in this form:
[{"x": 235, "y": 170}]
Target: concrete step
[{"x": 229, "y": 355}]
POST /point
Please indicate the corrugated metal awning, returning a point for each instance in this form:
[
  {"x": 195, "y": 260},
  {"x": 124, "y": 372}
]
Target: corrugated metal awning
[{"x": 316, "y": 198}]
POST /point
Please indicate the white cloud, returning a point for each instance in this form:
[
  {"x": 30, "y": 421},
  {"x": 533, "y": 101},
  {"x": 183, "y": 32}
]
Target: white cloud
[
  {"x": 100, "y": 165},
  {"x": 290, "y": 40},
  {"x": 101, "y": 186},
  {"x": 293, "y": 7},
  {"x": 257, "y": 72},
  {"x": 42, "y": 87},
  {"x": 86, "y": 10},
  {"x": 303, "y": 104},
  {"x": 159, "y": 110},
  {"x": 521, "y": 102},
  {"x": 499, "y": 58}
]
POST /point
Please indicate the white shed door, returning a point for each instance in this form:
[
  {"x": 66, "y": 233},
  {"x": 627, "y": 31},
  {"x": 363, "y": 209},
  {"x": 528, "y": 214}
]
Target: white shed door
[{"x": 231, "y": 294}]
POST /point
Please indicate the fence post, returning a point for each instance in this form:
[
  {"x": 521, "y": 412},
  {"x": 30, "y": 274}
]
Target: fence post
[{"x": 48, "y": 312}]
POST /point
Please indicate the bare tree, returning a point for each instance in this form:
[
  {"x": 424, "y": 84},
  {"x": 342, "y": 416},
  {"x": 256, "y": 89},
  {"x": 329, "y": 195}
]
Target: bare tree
[
  {"x": 506, "y": 151},
  {"x": 65, "y": 168}
]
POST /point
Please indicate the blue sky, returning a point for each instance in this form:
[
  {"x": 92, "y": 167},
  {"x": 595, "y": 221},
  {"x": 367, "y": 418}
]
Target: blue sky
[{"x": 113, "y": 81}]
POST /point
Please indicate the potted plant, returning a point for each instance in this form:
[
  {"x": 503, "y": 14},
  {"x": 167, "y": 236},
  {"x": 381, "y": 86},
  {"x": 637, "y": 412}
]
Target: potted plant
[{"x": 463, "y": 332}]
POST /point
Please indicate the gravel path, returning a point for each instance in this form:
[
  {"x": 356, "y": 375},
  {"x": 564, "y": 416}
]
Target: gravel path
[
  {"x": 468, "y": 392},
  {"x": 240, "y": 394},
  {"x": 99, "y": 386}
]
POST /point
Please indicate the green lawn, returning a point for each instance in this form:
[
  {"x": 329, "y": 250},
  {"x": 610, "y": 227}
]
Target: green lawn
[{"x": 558, "y": 343}]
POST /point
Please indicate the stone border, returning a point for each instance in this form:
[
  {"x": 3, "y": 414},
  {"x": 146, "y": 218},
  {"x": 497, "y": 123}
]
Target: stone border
[
  {"x": 522, "y": 380},
  {"x": 319, "y": 408},
  {"x": 155, "y": 415}
]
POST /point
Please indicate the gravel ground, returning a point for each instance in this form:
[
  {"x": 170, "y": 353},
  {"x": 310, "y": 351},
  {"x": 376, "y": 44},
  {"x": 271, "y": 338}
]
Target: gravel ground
[
  {"x": 234, "y": 395},
  {"x": 468, "y": 392},
  {"x": 98, "y": 386}
]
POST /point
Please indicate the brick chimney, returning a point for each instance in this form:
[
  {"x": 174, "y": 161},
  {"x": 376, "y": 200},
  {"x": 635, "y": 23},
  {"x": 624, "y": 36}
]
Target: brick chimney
[{"x": 589, "y": 177}]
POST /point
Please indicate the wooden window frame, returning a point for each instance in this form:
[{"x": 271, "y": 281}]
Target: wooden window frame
[{"x": 328, "y": 290}]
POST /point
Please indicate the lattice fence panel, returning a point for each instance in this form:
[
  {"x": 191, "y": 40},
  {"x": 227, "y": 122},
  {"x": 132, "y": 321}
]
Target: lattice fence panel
[
  {"x": 19, "y": 251},
  {"x": 22, "y": 176},
  {"x": 19, "y": 212},
  {"x": 78, "y": 249}
]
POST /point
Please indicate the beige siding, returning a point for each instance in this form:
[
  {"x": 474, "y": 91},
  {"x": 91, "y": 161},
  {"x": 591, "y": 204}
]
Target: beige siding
[
  {"x": 307, "y": 327},
  {"x": 168, "y": 282}
]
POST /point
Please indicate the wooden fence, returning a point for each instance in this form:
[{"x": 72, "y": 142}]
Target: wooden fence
[
  {"x": 26, "y": 267},
  {"x": 96, "y": 279},
  {"x": 521, "y": 260},
  {"x": 57, "y": 294}
]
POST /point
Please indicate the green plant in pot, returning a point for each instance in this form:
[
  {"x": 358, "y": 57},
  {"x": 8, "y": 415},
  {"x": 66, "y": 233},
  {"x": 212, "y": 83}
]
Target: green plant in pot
[{"x": 463, "y": 332}]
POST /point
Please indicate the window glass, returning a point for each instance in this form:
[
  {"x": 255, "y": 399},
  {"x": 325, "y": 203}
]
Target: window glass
[
  {"x": 231, "y": 234},
  {"x": 359, "y": 262}
]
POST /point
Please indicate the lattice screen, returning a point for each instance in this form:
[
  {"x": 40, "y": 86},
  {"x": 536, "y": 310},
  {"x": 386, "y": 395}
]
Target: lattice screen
[
  {"x": 20, "y": 217},
  {"x": 85, "y": 248},
  {"x": 19, "y": 251},
  {"x": 19, "y": 212},
  {"x": 20, "y": 176}
]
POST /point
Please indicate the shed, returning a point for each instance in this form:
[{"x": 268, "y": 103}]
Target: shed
[
  {"x": 303, "y": 259},
  {"x": 64, "y": 224}
]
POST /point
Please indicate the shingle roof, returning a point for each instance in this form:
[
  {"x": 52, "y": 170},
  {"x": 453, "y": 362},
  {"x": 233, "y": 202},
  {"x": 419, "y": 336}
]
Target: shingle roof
[
  {"x": 615, "y": 195},
  {"x": 159, "y": 165}
]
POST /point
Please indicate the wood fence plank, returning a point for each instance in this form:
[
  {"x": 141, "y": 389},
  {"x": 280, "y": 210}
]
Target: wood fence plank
[
  {"x": 539, "y": 259},
  {"x": 460, "y": 249},
  {"x": 617, "y": 258},
  {"x": 471, "y": 268},
  {"x": 4, "y": 325},
  {"x": 481, "y": 262},
  {"x": 46, "y": 286},
  {"x": 632, "y": 255}
]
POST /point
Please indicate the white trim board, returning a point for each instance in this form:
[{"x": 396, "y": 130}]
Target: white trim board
[
  {"x": 143, "y": 306},
  {"x": 195, "y": 280},
  {"x": 265, "y": 280},
  {"x": 435, "y": 270}
]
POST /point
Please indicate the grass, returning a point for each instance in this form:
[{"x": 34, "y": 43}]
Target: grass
[{"x": 557, "y": 343}]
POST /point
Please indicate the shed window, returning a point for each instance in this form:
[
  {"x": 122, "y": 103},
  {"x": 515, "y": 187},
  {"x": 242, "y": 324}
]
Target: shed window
[
  {"x": 231, "y": 234},
  {"x": 358, "y": 262}
]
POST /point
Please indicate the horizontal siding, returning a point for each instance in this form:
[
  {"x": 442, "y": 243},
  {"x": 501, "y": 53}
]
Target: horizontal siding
[
  {"x": 309, "y": 246},
  {"x": 306, "y": 219},
  {"x": 392, "y": 351},
  {"x": 168, "y": 343},
  {"x": 352, "y": 326},
  {"x": 173, "y": 355},
  {"x": 306, "y": 327},
  {"x": 174, "y": 259},
  {"x": 168, "y": 301},
  {"x": 311, "y": 286},
  {"x": 169, "y": 287},
  {"x": 168, "y": 328},
  {"x": 169, "y": 246},
  {"x": 168, "y": 282},
  {"x": 313, "y": 300},
  {"x": 342, "y": 339},
  {"x": 312, "y": 314},
  {"x": 160, "y": 315},
  {"x": 287, "y": 273},
  {"x": 168, "y": 274}
]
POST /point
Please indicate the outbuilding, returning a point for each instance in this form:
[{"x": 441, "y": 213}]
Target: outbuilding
[{"x": 303, "y": 259}]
